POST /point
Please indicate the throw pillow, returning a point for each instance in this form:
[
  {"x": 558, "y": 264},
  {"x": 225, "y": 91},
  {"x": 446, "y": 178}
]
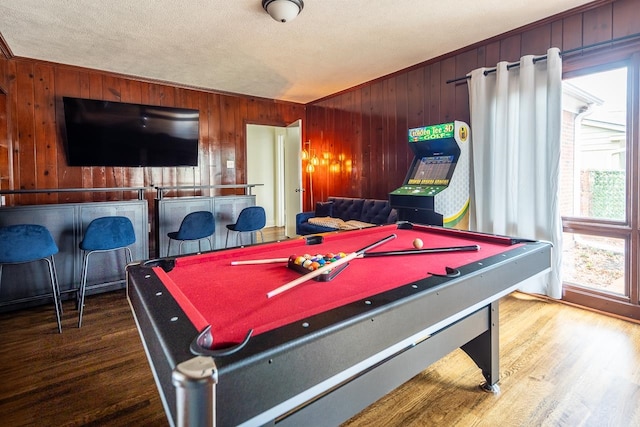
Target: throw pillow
[{"x": 324, "y": 209}]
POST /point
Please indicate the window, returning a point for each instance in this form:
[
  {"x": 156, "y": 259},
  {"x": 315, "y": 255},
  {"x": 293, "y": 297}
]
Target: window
[
  {"x": 598, "y": 173},
  {"x": 593, "y": 169}
]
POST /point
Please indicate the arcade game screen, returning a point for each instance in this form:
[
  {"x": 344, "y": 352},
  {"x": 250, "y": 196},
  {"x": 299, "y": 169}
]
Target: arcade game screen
[{"x": 432, "y": 170}]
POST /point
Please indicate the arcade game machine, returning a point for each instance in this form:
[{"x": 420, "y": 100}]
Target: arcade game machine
[{"x": 436, "y": 189}]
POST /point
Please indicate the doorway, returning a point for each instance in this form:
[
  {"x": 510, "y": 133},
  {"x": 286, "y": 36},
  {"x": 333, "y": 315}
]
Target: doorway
[{"x": 273, "y": 160}]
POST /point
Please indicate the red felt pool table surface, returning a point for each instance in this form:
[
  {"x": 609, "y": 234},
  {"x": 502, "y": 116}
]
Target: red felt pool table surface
[{"x": 232, "y": 299}]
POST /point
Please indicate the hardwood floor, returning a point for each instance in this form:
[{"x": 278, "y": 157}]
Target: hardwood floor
[{"x": 560, "y": 366}]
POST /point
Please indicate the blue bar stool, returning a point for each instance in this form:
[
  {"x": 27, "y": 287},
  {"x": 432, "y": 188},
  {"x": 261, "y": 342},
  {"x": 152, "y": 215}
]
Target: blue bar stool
[
  {"x": 109, "y": 233},
  {"x": 23, "y": 243},
  {"x": 195, "y": 226},
  {"x": 250, "y": 220}
]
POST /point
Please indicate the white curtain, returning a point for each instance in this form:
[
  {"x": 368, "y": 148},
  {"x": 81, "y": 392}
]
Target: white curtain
[{"x": 515, "y": 134}]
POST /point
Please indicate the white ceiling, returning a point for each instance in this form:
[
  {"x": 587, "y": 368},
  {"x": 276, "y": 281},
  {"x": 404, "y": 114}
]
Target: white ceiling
[{"x": 234, "y": 46}]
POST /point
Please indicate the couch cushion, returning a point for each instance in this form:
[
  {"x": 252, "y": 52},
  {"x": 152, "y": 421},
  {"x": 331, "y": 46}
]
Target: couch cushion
[
  {"x": 324, "y": 209},
  {"x": 375, "y": 211},
  {"x": 354, "y": 224},
  {"x": 326, "y": 221},
  {"x": 347, "y": 208}
]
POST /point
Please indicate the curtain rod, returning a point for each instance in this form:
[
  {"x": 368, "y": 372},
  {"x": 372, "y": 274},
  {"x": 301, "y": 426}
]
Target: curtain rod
[{"x": 543, "y": 57}]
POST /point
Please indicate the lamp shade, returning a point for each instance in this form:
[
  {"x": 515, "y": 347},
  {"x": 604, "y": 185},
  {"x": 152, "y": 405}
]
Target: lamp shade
[{"x": 283, "y": 10}]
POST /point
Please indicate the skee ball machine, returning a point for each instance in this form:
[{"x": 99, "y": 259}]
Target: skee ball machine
[{"x": 436, "y": 189}]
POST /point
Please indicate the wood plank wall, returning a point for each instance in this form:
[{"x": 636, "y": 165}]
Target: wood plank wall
[
  {"x": 37, "y": 159},
  {"x": 368, "y": 124},
  {"x": 359, "y": 134},
  {"x": 32, "y": 153}
]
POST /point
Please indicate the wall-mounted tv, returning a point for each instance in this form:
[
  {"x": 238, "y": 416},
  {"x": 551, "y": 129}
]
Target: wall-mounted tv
[{"x": 108, "y": 133}]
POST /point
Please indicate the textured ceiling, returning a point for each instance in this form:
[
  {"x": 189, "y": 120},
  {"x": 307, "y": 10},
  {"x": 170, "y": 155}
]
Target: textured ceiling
[{"x": 234, "y": 46}]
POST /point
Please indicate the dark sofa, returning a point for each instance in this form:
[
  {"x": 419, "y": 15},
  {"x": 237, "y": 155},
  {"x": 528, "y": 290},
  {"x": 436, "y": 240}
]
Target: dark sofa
[{"x": 370, "y": 211}]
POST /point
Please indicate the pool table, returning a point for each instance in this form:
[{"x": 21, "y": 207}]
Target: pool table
[{"x": 225, "y": 353}]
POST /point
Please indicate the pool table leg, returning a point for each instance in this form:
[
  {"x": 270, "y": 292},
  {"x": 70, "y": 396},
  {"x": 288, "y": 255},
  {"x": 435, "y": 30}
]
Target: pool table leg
[
  {"x": 485, "y": 351},
  {"x": 195, "y": 382}
]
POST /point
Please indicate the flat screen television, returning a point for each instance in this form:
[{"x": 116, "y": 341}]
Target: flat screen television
[{"x": 108, "y": 133}]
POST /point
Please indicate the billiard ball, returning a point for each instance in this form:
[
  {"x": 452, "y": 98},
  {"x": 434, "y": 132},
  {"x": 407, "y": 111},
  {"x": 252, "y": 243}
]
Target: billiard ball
[{"x": 417, "y": 243}]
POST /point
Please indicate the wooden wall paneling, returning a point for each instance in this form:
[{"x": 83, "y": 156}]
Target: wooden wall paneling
[
  {"x": 12, "y": 128},
  {"x": 510, "y": 48},
  {"x": 415, "y": 92},
  {"x": 4, "y": 74},
  {"x": 215, "y": 138},
  {"x": 447, "y": 91},
  {"x": 240, "y": 139},
  {"x": 24, "y": 148},
  {"x": 491, "y": 55},
  {"x": 389, "y": 151},
  {"x": 315, "y": 138},
  {"x": 6, "y": 176},
  {"x": 329, "y": 140},
  {"x": 269, "y": 111},
  {"x": 572, "y": 32},
  {"x": 5, "y": 170},
  {"x": 556, "y": 34},
  {"x": 324, "y": 185},
  {"x": 536, "y": 41},
  {"x": 331, "y": 143},
  {"x": 482, "y": 57},
  {"x": 427, "y": 88},
  {"x": 114, "y": 175},
  {"x": 275, "y": 112},
  {"x": 597, "y": 25},
  {"x": 330, "y": 186},
  {"x": 364, "y": 176},
  {"x": 254, "y": 115},
  {"x": 227, "y": 141},
  {"x": 435, "y": 96},
  {"x": 465, "y": 63},
  {"x": 45, "y": 132},
  {"x": 349, "y": 134},
  {"x": 204, "y": 143},
  {"x": 356, "y": 148},
  {"x": 67, "y": 83},
  {"x": 625, "y": 18},
  {"x": 311, "y": 132},
  {"x": 400, "y": 142},
  {"x": 378, "y": 170}
]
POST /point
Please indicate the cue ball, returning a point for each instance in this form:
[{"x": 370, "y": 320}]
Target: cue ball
[{"x": 417, "y": 243}]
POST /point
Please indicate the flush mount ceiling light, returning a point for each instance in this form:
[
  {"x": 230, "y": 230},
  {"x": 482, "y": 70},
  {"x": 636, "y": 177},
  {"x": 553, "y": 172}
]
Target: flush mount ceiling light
[{"x": 283, "y": 10}]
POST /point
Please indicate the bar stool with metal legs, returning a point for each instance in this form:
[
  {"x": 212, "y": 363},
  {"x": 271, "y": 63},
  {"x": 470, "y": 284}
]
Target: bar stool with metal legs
[
  {"x": 198, "y": 226},
  {"x": 251, "y": 219},
  {"x": 22, "y": 243},
  {"x": 109, "y": 233}
]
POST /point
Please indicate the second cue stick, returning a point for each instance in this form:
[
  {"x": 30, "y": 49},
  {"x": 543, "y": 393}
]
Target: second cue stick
[
  {"x": 327, "y": 267},
  {"x": 423, "y": 251}
]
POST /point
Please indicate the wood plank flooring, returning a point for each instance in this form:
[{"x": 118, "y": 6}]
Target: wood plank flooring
[{"x": 560, "y": 366}]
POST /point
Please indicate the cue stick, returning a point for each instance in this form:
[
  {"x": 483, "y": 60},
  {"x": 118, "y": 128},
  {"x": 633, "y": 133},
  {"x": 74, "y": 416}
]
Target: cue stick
[
  {"x": 422, "y": 251},
  {"x": 327, "y": 267},
  {"x": 259, "y": 261}
]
